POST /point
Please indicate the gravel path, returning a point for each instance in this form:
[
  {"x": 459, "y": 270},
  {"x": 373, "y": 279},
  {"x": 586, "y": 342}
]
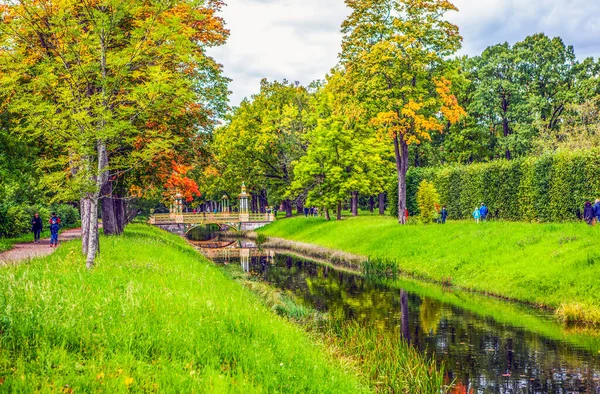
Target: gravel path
[{"x": 29, "y": 250}]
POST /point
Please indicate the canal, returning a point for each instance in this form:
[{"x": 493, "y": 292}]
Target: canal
[{"x": 486, "y": 345}]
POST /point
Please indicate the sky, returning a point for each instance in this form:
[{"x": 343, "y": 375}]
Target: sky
[{"x": 299, "y": 40}]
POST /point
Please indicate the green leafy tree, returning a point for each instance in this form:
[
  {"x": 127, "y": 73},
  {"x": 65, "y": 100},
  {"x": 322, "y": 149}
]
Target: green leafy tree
[
  {"x": 262, "y": 140},
  {"x": 428, "y": 201},
  {"x": 102, "y": 82},
  {"x": 343, "y": 156},
  {"x": 395, "y": 53}
]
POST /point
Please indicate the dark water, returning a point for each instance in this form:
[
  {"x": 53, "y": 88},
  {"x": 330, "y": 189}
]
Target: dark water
[{"x": 487, "y": 346}]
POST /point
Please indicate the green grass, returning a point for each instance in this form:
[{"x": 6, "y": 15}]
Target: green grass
[
  {"x": 153, "y": 316},
  {"x": 553, "y": 265}
]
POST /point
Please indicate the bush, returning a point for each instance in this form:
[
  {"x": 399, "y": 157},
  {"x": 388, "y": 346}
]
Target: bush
[
  {"x": 15, "y": 220},
  {"x": 550, "y": 188},
  {"x": 428, "y": 199},
  {"x": 69, "y": 216}
]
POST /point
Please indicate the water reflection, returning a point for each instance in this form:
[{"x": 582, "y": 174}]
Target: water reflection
[{"x": 481, "y": 354}]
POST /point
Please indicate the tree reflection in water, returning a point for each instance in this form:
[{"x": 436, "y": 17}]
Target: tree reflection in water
[{"x": 479, "y": 354}]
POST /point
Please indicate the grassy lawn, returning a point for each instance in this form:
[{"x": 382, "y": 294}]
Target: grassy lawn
[
  {"x": 153, "y": 316},
  {"x": 555, "y": 265}
]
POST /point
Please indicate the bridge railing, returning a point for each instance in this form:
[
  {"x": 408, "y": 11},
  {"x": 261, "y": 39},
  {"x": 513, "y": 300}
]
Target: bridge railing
[{"x": 199, "y": 218}]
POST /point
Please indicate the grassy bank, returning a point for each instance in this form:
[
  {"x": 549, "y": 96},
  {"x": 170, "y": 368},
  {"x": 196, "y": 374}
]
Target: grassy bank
[
  {"x": 553, "y": 265},
  {"x": 153, "y": 316}
]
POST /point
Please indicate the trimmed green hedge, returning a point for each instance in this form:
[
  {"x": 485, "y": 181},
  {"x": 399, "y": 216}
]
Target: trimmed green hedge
[{"x": 551, "y": 188}]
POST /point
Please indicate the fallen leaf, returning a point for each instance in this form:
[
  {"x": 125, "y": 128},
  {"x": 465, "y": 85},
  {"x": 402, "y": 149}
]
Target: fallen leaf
[
  {"x": 128, "y": 381},
  {"x": 100, "y": 376}
]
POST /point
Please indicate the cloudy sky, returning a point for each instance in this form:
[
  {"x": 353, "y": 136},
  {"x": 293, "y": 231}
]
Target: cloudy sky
[{"x": 299, "y": 39}]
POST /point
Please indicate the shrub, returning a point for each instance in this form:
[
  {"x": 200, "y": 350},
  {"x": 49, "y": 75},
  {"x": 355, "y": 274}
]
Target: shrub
[
  {"x": 69, "y": 215},
  {"x": 428, "y": 199}
]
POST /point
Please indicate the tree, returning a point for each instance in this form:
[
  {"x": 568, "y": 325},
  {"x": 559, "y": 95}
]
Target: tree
[
  {"x": 580, "y": 130},
  {"x": 521, "y": 90},
  {"x": 428, "y": 200},
  {"x": 343, "y": 156},
  {"x": 263, "y": 139},
  {"x": 395, "y": 53},
  {"x": 103, "y": 82}
]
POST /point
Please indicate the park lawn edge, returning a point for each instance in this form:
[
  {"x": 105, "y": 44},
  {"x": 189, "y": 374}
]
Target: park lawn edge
[
  {"x": 548, "y": 265},
  {"x": 153, "y": 315}
]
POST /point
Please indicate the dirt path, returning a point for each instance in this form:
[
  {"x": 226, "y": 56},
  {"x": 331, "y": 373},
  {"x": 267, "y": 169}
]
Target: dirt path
[{"x": 29, "y": 250}]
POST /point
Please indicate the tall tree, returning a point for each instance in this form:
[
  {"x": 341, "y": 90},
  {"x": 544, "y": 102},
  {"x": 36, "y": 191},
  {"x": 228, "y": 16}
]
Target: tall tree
[
  {"x": 102, "y": 81},
  {"x": 262, "y": 140},
  {"x": 344, "y": 157},
  {"x": 395, "y": 52}
]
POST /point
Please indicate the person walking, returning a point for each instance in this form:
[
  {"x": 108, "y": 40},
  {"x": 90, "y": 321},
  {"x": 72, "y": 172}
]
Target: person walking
[
  {"x": 483, "y": 212},
  {"x": 588, "y": 213},
  {"x": 597, "y": 210},
  {"x": 54, "y": 227},
  {"x": 477, "y": 214},
  {"x": 36, "y": 227},
  {"x": 444, "y": 215}
]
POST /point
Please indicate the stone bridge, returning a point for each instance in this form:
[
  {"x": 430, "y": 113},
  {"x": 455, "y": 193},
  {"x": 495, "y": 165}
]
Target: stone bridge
[{"x": 183, "y": 223}]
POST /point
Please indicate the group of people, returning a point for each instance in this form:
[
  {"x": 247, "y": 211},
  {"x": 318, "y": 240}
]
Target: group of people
[
  {"x": 37, "y": 227},
  {"x": 481, "y": 213},
  {"x": 311, "y": 212},
  {"x": 591, "y": 213}
]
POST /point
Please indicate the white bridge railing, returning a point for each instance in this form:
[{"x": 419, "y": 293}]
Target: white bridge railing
[{"x": 210, "y": 218}]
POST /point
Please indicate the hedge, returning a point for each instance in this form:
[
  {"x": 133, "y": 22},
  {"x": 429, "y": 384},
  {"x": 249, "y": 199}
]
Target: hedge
[{"x": 550, "y": 188}]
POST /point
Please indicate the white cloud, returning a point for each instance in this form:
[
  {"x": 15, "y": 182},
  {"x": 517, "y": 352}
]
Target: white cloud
[{"x": 300, "y": 39}]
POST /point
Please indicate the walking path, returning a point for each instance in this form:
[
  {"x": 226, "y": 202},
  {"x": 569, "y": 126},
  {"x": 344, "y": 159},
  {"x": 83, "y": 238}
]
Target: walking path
[{"x": 29, "y": 250}]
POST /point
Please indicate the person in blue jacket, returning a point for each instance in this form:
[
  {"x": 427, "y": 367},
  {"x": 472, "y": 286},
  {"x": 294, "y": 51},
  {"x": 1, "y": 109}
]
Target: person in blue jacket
[
  {"x": 597, "y": 210},
  {"x": 477, "y": 214},
  {"x": 444, "y": 215},
  {"x": 54, "y": 227},
  {"x": 483, "y": 212}
]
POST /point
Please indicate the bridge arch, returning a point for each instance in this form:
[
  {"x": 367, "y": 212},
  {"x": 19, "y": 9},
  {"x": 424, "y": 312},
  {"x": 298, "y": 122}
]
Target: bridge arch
[{"x": 222, "y": 226}]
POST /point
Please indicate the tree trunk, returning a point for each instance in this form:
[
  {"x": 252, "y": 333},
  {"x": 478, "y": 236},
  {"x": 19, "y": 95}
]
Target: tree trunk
[
  {"x": 84, "y": 210},
  {"x": 288, "y": 209},
  {"x": 354, "y": 203},
  {"x": 401, "y": 150},
  {"x": 120, "y": 211},
  {"x": 92, "y": 248},
  {"x": 506, "y": 125},
  {"x": 327, "y": 216},
  {"x": 300, "y": 207},
  {"x": 109, "y": 214},
  {"x": 371, "y": 204},
  {"x": 339, "y": 210},
  {"x": 382, "y": 204},
  {"x": 405, "y": 317}
]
